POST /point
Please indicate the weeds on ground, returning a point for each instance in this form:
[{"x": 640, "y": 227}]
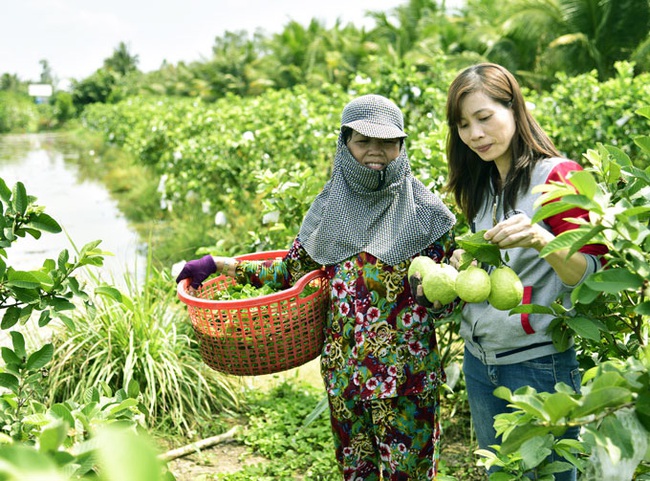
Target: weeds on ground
[
  {"x": 457, "y": 445},
  {"x": 276, "y": 429}
]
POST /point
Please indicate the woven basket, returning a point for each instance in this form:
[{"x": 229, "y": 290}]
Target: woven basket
[{"x": 261, "y": 335}]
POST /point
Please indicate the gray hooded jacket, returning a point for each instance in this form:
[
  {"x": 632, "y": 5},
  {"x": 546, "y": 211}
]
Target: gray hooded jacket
[{"x": 496, "y": 337}]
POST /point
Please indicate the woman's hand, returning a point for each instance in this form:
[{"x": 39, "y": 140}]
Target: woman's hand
[
  {"x": 517, "y": 231},
  {"x": 197, "y": 271},
  {"x": 415, "y": 281},
  {"x": 456, "y": 259}
]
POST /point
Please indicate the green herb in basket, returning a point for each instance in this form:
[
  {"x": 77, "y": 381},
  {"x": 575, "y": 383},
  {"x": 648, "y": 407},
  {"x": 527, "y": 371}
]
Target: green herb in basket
[
  {"x": 244, "y": 291},
  {"x": 309, "y": 289}
]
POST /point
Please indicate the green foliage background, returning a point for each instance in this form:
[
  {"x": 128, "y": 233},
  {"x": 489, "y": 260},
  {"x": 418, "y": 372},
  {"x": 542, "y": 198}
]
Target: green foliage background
[{"x": 252, "y": 156}]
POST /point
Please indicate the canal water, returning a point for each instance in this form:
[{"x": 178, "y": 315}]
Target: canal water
[{"x": 45, "y": 164}]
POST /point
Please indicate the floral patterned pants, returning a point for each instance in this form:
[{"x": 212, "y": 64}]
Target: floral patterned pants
[{"x": 387, "y": 439}]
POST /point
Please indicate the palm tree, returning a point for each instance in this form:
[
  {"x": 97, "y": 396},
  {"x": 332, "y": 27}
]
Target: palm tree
[
  {"x": 122, "y": 62},
  {"x": 291, "y": 53},
  {"x": 576, "y": 36},
  {"x": 641, "y": 56},
  {"x": 228, "y": 69},
  {"x": 398, "y": 32},
  {"x": 46, "y": 73},
  {"x": 347, "y": 48}
]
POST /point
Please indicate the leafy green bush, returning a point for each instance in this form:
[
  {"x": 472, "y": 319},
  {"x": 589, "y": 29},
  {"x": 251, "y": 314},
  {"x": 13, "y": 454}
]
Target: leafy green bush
[
  {"x": 581, "y": 111},
  {"x": 95, "y": 88},
  {"x": 220, "y": 154},
  {"x": 18, "y": 113},
  {"x": 63, "y": 108},
  {"x": 72, "y": 439}
]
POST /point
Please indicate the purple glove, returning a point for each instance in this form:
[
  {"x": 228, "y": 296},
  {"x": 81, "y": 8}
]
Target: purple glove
[
  {"x": 415, "y": 282},
  {"x": 198, "y": 270}
]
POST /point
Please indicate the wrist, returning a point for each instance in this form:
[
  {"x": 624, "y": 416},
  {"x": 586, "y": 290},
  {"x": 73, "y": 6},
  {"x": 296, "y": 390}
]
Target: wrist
[
  {"x": 227, "y": 266},
  {"x": 542, "y": 239}
]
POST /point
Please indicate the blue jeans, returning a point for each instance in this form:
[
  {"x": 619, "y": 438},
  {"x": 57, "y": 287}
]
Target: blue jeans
[{"x": 541, "y": 373}]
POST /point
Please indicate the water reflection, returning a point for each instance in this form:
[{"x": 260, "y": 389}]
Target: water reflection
[{"x": 83, "y": 207}]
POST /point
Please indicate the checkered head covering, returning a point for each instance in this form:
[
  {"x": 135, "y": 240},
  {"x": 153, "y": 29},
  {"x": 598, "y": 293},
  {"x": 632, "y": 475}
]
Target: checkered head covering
[
  {"x": 387, "y": 213},
  {"x": 374, "y": 116}
]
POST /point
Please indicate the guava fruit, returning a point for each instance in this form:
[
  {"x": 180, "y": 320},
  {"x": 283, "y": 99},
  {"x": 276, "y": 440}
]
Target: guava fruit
[
  {"x": 473, "y": 284},
  {"x": 507, "y": 290},
  {"x": 421, "y": 264},
  {"x": 439, "y": 283}
]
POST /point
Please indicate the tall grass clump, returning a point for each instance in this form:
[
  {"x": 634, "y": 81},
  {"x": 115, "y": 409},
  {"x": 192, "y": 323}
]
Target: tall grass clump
[{"x": 143, "y": 336}]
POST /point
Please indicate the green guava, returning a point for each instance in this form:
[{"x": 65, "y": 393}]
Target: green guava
[
  {"x": 439, "y": 283},
  {"x": 421, "y": 264},
  {"x": 507, "y": 290},
  {"x": 473, "y": 284}
]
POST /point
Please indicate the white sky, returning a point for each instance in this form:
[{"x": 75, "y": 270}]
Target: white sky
[{"x": 75, "y": 36}]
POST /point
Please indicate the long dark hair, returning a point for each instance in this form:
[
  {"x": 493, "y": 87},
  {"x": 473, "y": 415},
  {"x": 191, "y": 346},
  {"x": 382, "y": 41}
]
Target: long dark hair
[{"x": 470, "y": 177}]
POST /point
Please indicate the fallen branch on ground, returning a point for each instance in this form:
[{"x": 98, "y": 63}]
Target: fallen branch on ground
[{"x": 199, "y": 445}]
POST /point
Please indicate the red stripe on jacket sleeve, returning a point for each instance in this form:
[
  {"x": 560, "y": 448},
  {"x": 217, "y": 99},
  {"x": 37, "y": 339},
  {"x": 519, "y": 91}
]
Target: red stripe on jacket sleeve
[
  {"x": 525, "y": 317},
  {"x": 558, "y": 222}
]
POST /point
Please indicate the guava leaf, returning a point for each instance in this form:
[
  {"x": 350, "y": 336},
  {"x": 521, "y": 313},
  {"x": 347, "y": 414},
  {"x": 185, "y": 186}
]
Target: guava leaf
[
  {"x": 40, "y": 358},
  {"x": 9, "y": 381},
  {"x": 614, "y": 280},
  {"x": 599, "y": 399},
  {"x": 643, "y": 308},
  {"x": 643, "y": 142},
  {"x": 584, "y": 294},
  {"x": 561, "y": 338},
  {"x": 519, "y": 435},
  {"x": 558, "y": 405},
  {"x": 45, "y": 223},
  {"x": 61, "y": 411},
  {"x": 642, "y": 408},
  {"x": 20, "y": 201},
  {"x": 5, "y": 192},
  {"x": 532, "y": 309},
  {"x": 482, "y": 250},
  {"x": 585, "y": 327}
]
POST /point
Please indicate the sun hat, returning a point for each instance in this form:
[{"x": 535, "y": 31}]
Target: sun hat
[{"x": 374, "y": 116}]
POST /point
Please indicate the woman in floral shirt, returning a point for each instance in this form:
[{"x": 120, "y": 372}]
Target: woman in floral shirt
[{"x": 380, "y": 361}]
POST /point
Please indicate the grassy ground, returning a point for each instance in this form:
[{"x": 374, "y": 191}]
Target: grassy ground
[{"x": 457, "y": 448}]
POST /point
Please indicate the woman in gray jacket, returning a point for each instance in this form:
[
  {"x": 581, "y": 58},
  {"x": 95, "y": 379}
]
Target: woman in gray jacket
[{"x": 497, "y": 153}]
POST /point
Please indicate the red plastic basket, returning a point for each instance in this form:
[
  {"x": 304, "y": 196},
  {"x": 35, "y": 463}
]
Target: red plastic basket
[{"x": 261, "y": 335}]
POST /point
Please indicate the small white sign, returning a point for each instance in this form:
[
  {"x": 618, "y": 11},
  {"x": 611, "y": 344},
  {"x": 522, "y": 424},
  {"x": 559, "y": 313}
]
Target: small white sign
[{"x": 40, "y": 90}]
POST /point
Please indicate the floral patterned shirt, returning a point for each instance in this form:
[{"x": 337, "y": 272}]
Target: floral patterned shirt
[{"x": 379, "y": 343}]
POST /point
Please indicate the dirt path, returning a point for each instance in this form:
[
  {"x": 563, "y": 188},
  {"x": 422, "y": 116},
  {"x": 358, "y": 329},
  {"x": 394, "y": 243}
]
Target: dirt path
[
  {"x": 226, "y": 458},
  {"x": 231, "y": 456}
]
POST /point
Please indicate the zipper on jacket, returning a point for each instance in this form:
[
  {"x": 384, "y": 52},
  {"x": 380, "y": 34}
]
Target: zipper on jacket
[
  {"x": 495, "y": 208},
  {"x": 382, "y": 179}
]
